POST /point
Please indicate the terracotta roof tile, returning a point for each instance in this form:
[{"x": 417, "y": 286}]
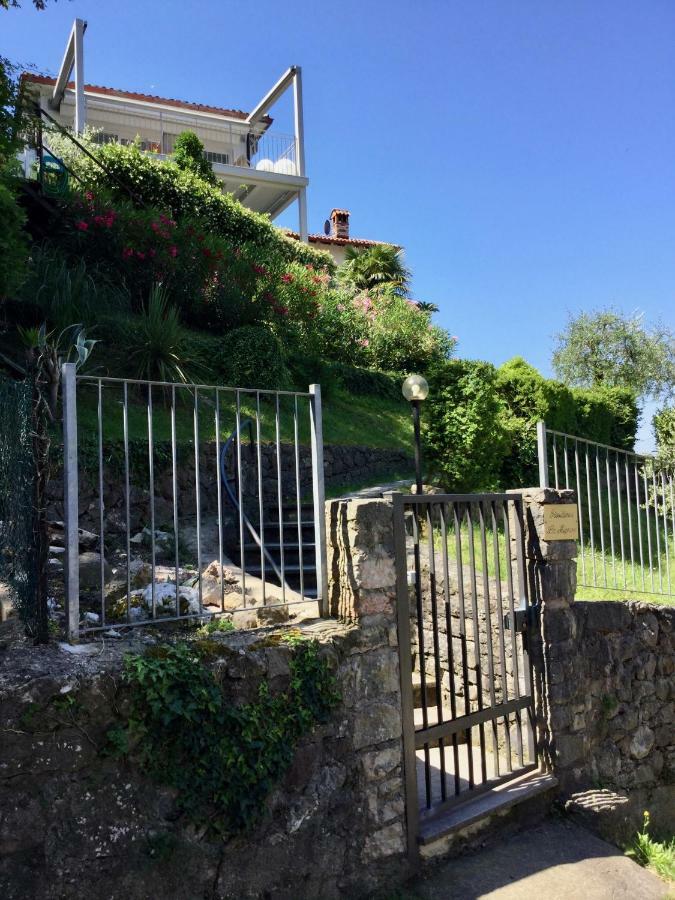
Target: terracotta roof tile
[
  {"x": 340, "y": 242},
  {"x": 146, "y": 98}
]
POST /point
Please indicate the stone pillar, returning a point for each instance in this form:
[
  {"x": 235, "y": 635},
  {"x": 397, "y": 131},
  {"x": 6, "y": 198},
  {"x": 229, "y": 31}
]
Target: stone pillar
[
  {"x": 553, "y": 645},
  {"x": 361, "y": 562}
]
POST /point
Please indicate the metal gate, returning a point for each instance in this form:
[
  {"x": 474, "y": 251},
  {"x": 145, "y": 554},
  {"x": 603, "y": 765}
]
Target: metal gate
[{"x": 466, "y": 678}]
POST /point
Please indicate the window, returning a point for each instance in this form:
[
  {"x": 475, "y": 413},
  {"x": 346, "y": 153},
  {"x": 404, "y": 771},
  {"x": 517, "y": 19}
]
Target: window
[
  {"x": 101, "y": 137},
  {"x": 222, "y": 158}
]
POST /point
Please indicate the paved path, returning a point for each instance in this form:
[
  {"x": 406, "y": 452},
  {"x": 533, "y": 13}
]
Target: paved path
[{"x": 553, "y": 861}]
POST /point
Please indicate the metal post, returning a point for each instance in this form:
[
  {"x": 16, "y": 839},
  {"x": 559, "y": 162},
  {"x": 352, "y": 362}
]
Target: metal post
[
  {"x": 319, "y": 496},
  {"x": 418, "y": 448},
  {"x": 543, "y": 454},
  {"x": 80, "y": 101},
  {"x": 70, "y": 500}
]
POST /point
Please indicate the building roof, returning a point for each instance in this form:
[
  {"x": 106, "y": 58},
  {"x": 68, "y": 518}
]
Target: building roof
[
  {"x": 339, "y": 242},
  {"x": 145, "y": 98}
]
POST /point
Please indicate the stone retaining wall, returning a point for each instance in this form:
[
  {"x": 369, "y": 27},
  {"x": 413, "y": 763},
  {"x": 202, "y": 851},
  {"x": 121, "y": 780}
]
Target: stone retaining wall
[
  {"x": 342, "y": 465},
  {"x": 76, "y": 822}
]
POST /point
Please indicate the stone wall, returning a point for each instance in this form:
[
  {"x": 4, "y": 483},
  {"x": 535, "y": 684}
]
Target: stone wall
[
  {"x": 74, "y": 821},
  {"x": 605, "y": 689}
]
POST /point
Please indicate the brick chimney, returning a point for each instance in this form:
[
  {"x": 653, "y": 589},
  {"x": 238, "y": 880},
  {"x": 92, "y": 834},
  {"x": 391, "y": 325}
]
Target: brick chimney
[{"x": 339, "y": 223}]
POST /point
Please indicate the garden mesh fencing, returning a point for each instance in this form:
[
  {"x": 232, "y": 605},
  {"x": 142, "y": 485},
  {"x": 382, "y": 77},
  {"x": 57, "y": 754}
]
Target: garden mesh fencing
[{"x": 18, "y": 535}]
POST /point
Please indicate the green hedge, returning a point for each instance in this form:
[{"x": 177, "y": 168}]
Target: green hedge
[
  {"x": 480, "y": 423},
  {"x": 163, "y": 184}
]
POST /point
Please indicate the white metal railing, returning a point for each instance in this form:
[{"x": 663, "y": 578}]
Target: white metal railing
[
  {"x": 254, "y": 490},
  {"x": 626, "y": 511}
]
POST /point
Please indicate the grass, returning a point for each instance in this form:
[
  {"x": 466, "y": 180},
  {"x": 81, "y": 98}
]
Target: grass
[
  {"x": 658, "y": 856},
  {"x": 348, "y": 420}
]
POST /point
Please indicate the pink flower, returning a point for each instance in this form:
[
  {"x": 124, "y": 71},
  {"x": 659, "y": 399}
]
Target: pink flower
[
  {"x": 341, "y": 307},
  {"x": 364, "y": 342},
  {"x": 454, "y": 338},
  {"x": 127, "y": 252},
  {"x": 173, "y": 251},
  {"x": 309, "y": 267},
  {"x": 89, "y": 195},
  {"x": 316, "y": 279},
  {"x": 287, "y": 278},
  {"x": 81, "y": 225},
  {"x": 140, "y": 254},
  {"x": 259, "y": 270}
]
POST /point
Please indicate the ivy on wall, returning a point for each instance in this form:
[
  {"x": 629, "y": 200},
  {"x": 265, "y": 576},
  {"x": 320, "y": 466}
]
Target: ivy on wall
[{"x": 222, "y": 759}]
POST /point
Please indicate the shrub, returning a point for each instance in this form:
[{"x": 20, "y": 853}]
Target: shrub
[
  {"x": 360, "y": 381},
  {"x": 156, "y": 343},
  {"x": 13, "y": 242},
  {"x": 252, "y": 357},
  {"x": 664, "y": 428},
  {"x": 462, "y": 427},
  {"x": 164, "y": 185},
  {"x": 188, "y": 154}
]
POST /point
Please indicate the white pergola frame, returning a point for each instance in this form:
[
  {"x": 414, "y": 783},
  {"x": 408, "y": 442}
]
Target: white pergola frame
[{"x": 73, "y": 58}]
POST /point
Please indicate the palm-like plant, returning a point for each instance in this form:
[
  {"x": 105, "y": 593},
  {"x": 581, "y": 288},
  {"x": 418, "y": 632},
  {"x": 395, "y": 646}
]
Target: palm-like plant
[
  {"x": 157, "y": 343},
  {"x": 378, "y": 266}
]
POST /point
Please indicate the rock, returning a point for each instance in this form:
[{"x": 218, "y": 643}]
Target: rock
[
  {"x": 91, "y": 618},
  {"x": 90, "y": 570},
  {"x": 642, "y": 742},
  {"x": 165, "y": 598},
  {"x": 79, "y": 649}
]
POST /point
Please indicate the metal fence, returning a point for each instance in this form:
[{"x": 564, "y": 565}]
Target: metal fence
[
  {"x": 466, "y": 676},
  {"x": 202, "y": 500},
  {"x": 626, "y": 511}
]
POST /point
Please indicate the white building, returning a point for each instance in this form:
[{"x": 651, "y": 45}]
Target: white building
[{"x": 264, "y": 170}]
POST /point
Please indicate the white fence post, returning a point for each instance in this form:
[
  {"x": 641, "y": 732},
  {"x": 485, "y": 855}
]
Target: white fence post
[
  {"x": 70, "y": 500},
  {"x": 543, "y": 454},
  {"x": 319, "y": 496}
]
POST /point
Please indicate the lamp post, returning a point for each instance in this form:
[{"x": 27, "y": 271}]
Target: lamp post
[{"x": 416, "y": 389}]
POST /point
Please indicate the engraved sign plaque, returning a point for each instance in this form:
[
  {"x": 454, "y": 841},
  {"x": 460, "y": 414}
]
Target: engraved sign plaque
[{"x": 561, "y": 522}]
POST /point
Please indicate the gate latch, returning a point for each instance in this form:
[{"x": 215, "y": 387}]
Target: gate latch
[{"x": 523, "y": 618}]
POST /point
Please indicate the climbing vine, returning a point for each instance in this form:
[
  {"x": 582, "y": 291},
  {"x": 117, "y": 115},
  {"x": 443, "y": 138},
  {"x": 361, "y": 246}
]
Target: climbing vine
[{"x": 222, "y": 759}]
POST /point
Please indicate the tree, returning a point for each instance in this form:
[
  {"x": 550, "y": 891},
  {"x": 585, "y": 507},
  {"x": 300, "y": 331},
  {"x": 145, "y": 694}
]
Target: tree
[
  {"x": 378, "y": 266},
  {"x": 425, "y": 306},
  {"x": 188, "y": 154},
  {"x": 608, "y": 349},
  {"x": 38, "y": 4}
]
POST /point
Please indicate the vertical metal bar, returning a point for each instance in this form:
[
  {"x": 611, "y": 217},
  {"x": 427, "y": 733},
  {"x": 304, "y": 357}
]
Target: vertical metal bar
[
  {"x": 639, "y": 518},
  {"x": 405, "y": 670},
  {"x": 280, "y": 497},
  {"x": 611, "y": 518},
  {"x": 457, "y": 526},
  {"x": 600, "y": 515},
  {"x": 174, "y": 494},
  {"x": 448, "y": 634},
  {"x": 198, "y": 502},
  {"x": 629, "y": 516},
  {"x": 151, "y": 478},
  {"x": 101, "y": 504},
  {"x": 665, "y": 530},
  {"x": 567, "y": 470},
  {"x": 512, "y": 629},
  {"x": 522, "y": 585},
  {"x": 500, "y": 630},
  {"x": 580, "y": 512},
  {"x": 436, "y": 642},
  {"x": 298, "y": 504},
  {"x": 590, "y": 513},
  {"x": 420, "y": 643},
  {"x": 316, "y": 423},
  {"x": 656, "y": 524},
  {"x": 127, "y": 503},
  {"x": 672, "y": 521},
  {"x": 476, "y": 638},
  {"x": 488, "y": 635},
  {"x": 219, "y": 499},
  {"x": 542, "y": 452},
  {"x": 554, "y": 438},
  {"x": 261, "y": 510},
  {"x": 619, "y": 505},
  {"x": 71, "y": 500},
  {"x": 240, "y": 492},
  {"x": 649, "y": 529}
]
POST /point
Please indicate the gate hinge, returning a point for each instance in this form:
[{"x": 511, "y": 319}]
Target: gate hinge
[{"x": 524, "y": 618}]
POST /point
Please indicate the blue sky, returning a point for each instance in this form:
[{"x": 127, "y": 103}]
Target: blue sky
[{"x": 522, "y": 151}]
